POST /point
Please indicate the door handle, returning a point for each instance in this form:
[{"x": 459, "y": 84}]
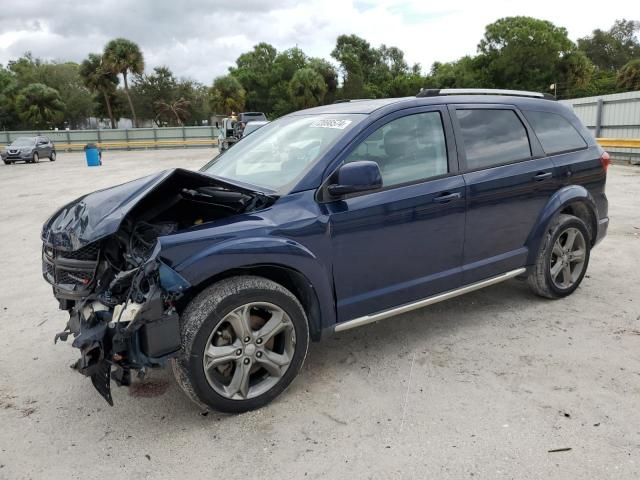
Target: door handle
[
  {"x": 447, "y": 197},
  {"x": 542, "y": 176}
]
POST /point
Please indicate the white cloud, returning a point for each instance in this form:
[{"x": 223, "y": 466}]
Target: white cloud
[{"x": 201, "y": 39}]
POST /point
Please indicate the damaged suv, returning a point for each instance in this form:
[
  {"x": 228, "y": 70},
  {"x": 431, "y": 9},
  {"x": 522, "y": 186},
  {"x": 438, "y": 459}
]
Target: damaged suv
[{"x": 321, "y": 221}]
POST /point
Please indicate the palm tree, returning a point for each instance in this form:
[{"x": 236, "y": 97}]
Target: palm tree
[
  {"x": 100, "y": 79},
  {"x": 40, "y": 106},
  {"x": 122, "y": 56},
  {"x": 177, "y": 108},
  {"x": 227, "y": 95},
  {"x": 307, "y": 88}
]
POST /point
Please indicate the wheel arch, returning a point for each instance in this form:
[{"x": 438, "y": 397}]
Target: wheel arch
[
  {"x": 291, "y": 279},
  {"x": 573, "y": 200}
]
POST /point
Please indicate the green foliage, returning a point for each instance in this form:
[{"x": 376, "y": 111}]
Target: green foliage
[
  {"x": 530, "y": 54},
  {"x": 611, "y": 49},
  {"x": 515, "y": 53},
  {"x": 629, "y": 76},
  {"x": 40, "y": 106},
  {"x": 123, "y": 56},
  {"x": 307, "y": 88},
  {"x": 227, "y": 95},
  {"x": 101, "y": 81}
]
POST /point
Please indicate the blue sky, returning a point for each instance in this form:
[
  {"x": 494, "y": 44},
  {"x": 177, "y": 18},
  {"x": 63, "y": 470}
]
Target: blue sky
[{"x": 202, "y": 38}]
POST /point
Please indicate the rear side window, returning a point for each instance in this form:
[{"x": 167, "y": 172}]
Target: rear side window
[
  {"x": 555, "y": 133},
  {"x": 492, "y": 137}
]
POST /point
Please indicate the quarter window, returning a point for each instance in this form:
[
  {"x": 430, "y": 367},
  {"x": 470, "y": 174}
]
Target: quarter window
[
  {"x": 492, "y": 137},
  {"x": 407, "y": 149},
  {"x": 555, "y": 133}
]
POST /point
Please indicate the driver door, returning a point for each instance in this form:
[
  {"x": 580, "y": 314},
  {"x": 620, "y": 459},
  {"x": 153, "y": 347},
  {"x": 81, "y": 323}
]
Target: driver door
[{"x": 404, "y": 242}]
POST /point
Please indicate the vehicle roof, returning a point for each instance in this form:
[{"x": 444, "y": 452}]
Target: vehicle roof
[{"x": 370, "y": 106}]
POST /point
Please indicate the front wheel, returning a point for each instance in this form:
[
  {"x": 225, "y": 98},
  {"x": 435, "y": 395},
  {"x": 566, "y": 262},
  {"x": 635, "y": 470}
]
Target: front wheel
[
  {"x": 563, "y": 258},
  {"x": 244, "y": 340},
  {"x": 35, "y": 158}
]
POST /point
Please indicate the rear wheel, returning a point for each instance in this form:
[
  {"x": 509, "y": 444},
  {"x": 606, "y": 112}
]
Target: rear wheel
[
  {"x": 52, "y": 156},
  {"x": 244, "y": 339},
  {"x": 563, "y": 258}
]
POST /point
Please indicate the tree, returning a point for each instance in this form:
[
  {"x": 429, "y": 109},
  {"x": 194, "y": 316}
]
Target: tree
[
  {"x": 100, "y": 80},
  {"x": 149, "y": 91},
  {"x": 123, "y": 57},
  {"x": 8, "y": 88},
  {"x": 525, "y": 53},
  {"x": 629, "y": 76},
  {"x": 329, "y": 75},
  {"x": 254, "y": 71},
  {"x": 307, "y": 88},
  {"x": 466, "y": 72},
  {"x": 610, "y": 50},
  {"x": 178, "y": 109},
  {"x": 227, "y": 95},
  {"x": 357, "y": 60},
  {"x": 40, "y": 105}
]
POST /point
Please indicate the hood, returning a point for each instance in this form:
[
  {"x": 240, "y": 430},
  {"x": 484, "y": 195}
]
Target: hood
[{"x": 99, "y": 214}]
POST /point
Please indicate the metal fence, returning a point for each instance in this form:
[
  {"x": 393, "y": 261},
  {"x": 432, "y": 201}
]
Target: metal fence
[
  {"x": 124, "y": 139},
  {"x": 614, "y": 120}
]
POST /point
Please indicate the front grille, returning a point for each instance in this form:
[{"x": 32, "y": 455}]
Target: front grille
[
  {"x": 90, "y": 252},
  {"x": 71, "y": 273}
]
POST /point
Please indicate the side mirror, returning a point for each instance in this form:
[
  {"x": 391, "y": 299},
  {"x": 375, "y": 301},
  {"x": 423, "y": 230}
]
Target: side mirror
[{"x": 354, "y": 177}]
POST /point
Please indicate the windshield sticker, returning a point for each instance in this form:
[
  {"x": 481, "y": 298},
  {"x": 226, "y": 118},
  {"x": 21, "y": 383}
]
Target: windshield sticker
[{"x": 328, "y": 123}]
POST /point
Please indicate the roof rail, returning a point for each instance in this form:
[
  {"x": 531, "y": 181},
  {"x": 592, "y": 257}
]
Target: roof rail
[{"x": 434, "y": 92}]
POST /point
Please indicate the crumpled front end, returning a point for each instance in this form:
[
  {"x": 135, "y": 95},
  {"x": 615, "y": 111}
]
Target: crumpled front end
[
  {"x": 102, "y": 256},
  {"x": 131, "y": 323}
]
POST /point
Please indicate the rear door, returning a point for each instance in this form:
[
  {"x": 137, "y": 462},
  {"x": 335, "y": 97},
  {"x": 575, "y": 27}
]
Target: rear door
[
  {"x": 508, "y": 182},
  {"x": 404, "y": 242}
]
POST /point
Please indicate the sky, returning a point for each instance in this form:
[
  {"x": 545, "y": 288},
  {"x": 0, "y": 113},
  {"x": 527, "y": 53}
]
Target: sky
[{"x": 200, "y": 39}]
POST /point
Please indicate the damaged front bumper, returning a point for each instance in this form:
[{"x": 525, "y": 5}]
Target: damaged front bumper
[{"x": 139, "y": 333}]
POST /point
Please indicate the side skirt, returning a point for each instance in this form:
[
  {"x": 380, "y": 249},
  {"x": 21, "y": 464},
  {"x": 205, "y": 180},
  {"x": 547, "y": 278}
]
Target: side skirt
[{"x": 441, "y": 297}]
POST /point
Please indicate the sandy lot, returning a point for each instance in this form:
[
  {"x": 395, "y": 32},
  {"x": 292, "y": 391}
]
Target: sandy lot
[{"x": 482, "y": 386}]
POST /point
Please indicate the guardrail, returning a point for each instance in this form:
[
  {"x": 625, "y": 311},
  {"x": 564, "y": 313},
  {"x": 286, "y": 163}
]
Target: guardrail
[{"x": 123, "y": 139}]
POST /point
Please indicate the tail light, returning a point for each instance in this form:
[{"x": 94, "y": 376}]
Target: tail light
[{"x": 605, "y": 160}]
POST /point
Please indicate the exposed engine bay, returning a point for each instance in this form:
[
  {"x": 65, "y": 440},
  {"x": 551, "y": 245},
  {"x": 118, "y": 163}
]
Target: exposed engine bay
[{"x": 123, "y": 301}]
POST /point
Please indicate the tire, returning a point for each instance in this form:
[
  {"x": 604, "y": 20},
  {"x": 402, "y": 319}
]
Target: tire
[
  {"x": 35, "y": 158},
  {"x": 210, "y": 379},
  {"x": 549, "y": 276},
  {"x": 52, "y": 156},
  {"x": 7, "y": 162}
]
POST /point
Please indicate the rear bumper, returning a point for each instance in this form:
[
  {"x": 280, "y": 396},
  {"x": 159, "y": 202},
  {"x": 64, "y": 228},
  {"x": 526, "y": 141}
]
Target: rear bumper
[{"x": 603, "y": 226}]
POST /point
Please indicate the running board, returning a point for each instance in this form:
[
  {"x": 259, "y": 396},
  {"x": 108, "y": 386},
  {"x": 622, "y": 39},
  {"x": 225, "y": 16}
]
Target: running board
[{"x": 441, "y": 297}]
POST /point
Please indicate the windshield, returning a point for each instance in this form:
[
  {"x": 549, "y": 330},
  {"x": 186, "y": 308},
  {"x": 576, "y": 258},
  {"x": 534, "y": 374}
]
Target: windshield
[
  {"x": 23, "y": 142},
  {"x": 280, "y": 152}
]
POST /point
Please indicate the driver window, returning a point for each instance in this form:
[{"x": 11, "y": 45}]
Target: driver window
[{"x": 407, "y": 149}]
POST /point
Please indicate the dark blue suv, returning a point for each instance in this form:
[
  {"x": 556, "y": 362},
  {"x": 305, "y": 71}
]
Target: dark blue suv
[{"x": 324, "y": 220}]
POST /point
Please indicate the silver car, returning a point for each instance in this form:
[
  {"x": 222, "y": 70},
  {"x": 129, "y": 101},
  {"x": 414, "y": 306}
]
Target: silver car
[{"x": 29, "y": 150}]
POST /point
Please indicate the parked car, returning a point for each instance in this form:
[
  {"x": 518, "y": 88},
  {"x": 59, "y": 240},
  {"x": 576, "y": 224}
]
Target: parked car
[
  {"x": 324, "y": 220},
  {"x": 29, "y": 150}
]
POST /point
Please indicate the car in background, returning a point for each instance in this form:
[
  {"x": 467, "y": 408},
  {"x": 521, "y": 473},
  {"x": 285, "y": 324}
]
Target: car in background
[
  {"x": 29, "y": 150},
  {"x": 253, "y": 126}
]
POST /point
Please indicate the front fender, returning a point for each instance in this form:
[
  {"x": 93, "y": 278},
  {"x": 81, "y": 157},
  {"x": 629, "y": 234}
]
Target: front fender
[
  {"x": 558, "y": 202},
  {"x": 242, "y": 253}
]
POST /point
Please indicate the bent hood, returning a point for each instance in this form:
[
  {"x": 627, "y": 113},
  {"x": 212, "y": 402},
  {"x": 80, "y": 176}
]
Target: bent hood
[{"x": 99, "y": 214}]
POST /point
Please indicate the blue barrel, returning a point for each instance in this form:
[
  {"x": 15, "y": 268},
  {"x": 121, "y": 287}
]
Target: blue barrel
[{"x": 92, "y": 154}]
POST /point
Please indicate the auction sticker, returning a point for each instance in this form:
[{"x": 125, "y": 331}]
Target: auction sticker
[{"x": 331, "y": 123}]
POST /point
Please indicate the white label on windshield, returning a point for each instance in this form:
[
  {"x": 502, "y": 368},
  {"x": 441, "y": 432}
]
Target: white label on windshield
[{"x": 328, "y": 123}]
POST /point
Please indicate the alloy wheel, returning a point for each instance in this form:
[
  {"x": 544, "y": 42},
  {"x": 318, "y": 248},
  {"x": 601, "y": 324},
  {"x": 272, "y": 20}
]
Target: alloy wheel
[
  {"x": 249, "y": 351},
  {"x": 568, "y": 258}
]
